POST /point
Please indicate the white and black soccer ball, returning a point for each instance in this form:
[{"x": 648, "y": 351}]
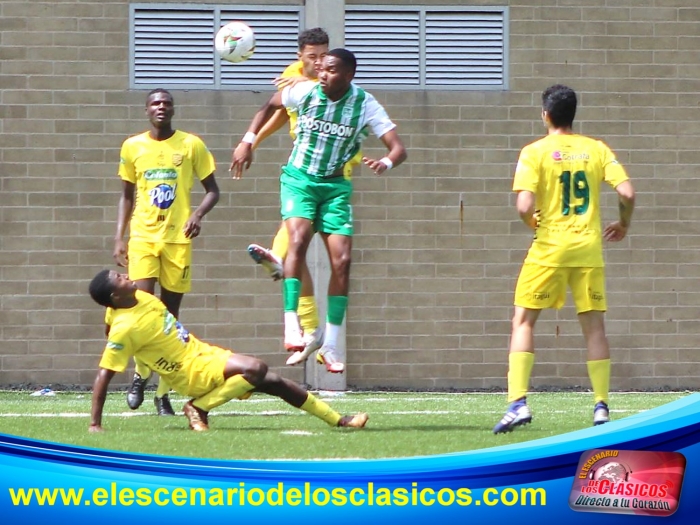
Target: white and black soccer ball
[{"x": 235, "y": 42}]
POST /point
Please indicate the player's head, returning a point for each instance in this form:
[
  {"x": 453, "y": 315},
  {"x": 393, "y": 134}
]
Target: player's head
[
  {"x": 313, "y": 37},
  {"x": 158, "y": 90},
  {"x": 101, "y": 288},
  {"x": 313, "y": 46},
  {"x": 559, "y": 106},
  {"x": 109, "y": 288},
  {"x": 337, "y": 71},
  {"x": 347, "y": 58},
  {"x": 160, "y": 107}
]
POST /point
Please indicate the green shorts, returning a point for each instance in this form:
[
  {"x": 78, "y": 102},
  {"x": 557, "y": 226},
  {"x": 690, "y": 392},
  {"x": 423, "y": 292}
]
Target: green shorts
[{"x": 323, "y": 201}]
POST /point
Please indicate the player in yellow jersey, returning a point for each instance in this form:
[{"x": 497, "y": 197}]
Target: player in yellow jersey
[
  {"x": 158, "y": 169},
  {"x": 557, "y": 181},
  {"x": 313, "y": 46},
  {"x": 143, "y": 327}
]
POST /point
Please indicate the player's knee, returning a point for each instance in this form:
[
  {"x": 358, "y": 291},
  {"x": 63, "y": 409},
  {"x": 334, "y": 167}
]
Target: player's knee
[
  {"x": 520, "y": 322},
  {"x": 297, "y": 241},
  {"x": 256, "y": 371},
  {"x": 341, "y": 262},
  {"x": 272, "y": 379}
]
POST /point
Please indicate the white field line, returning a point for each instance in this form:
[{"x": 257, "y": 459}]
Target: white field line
[
  {"x": 432, "y": 397},
  {"x": 273, "y": 413},
  {"x": 386, "y": 395}
]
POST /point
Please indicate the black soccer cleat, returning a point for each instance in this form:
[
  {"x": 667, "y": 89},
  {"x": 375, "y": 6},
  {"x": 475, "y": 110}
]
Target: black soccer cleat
[
  {"x": 134, "y": 395},
  {"x": 163, "y": 406}
]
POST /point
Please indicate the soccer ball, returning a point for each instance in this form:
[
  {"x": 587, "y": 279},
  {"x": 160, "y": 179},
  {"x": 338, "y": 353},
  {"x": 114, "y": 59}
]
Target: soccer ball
[{"x": 235, "y": 42}]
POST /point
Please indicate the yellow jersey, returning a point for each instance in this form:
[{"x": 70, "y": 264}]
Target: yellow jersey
[
  {"x": 149, "y": 331},
  {"x": 163, "y": 172},
  {"x": 295, "y": 69},
  {"x": 565, "y": 172}
]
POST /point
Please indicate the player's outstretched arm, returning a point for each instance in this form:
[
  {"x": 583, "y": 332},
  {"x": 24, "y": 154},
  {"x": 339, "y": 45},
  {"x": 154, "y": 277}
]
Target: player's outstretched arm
[
  {"x": 243, "y": 154},
  {"x": 276, "y": 122},
  {"x": 397, "y": 154},
  {"x": 99, "y": 394}
]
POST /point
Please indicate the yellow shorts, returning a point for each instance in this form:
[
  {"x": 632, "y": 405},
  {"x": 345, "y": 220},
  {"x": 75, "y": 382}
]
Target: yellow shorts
[
  {"x": 205, "y": 370},
  {"x": 350, "y": 165},
  {"x": 168, "y": 262},
  {"x": 542, "y": 287}
]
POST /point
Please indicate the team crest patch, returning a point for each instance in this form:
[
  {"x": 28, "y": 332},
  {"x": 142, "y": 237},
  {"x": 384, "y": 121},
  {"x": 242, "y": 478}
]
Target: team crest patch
[
  {"x": 628, "y": 482},
  {"x": 177, "y": 159}
]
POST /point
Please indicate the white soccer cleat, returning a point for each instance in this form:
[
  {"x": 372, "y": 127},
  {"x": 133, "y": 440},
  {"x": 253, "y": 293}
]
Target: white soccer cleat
[
  {"x": 601, "y": 414},
  {"x": 327, "y": 356},
  {"x": 293, "y": 341},
  {"x": 268, "y": 260},
  {"x": 518, "y": 414},
  {"x": 313, "y": 342}
]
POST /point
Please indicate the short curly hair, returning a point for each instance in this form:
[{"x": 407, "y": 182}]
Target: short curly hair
[
  {"x": 312, "y": 37},
  {"x": 346, "y": 57},
  {"x": 101, "y": 289}
]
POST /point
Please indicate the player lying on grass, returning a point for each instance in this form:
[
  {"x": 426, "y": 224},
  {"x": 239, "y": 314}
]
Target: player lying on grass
[{"x": 143, "y": 327}]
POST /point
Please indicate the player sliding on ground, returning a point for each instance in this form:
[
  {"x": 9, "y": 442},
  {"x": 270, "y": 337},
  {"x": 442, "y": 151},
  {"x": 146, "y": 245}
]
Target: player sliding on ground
[{"x": 143, "y": 327}]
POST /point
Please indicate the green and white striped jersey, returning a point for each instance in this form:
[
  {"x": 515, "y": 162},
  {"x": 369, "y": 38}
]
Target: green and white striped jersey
[{"x": 328, "y": 133}]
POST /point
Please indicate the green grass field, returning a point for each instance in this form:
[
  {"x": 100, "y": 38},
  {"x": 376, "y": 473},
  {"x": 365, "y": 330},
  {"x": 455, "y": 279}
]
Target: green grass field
[{"x": 400, "y": 425}]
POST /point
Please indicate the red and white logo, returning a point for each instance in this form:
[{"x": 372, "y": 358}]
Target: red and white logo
[{"x": 628, "y": 482}]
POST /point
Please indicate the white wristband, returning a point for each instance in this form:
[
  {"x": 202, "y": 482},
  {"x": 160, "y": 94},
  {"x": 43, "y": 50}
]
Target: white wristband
[
  {"x": 387, "y": 162},
  {"x": 249, "y": 137}
]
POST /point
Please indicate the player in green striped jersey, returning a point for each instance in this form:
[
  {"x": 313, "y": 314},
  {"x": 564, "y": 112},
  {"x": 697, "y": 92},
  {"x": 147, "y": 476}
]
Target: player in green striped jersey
[{"x": 334, "y": 116}]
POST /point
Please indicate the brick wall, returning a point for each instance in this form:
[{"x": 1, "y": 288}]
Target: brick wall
[{"x": 438, "y": 242}]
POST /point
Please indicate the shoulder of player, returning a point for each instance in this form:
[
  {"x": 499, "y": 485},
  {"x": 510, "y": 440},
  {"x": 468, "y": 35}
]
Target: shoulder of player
[
  {"x": 367, "y": 98},
  {"x": 120, "y": 325},
  {"x": 535, "y": 145},
  {"x": 188, "y": 138},
  {"x": 293, "y": 70},
  {"x": 123, "y": 318},
  {"x": 593, "y": 145},
  {"x": 137, "y": 138},
  {"x": 185, "y": 135},
  {"x": 300, "y": 90},
  {"x": 145, "y": 298}
]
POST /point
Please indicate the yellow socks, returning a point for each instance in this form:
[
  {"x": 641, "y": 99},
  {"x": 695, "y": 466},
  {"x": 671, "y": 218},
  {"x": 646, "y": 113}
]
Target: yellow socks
[
  {"x": 599, "y": 373},
  {"x": 308, "y": 313},
  {"x": 141, "y": 369},
  {"x": 280, "y": 244},
  {"x": 163, "y": 388},
  {"x": 233, "y": 388},
  {"x": 519, "y": 369},
  {"x": 321, "y": 410}
]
